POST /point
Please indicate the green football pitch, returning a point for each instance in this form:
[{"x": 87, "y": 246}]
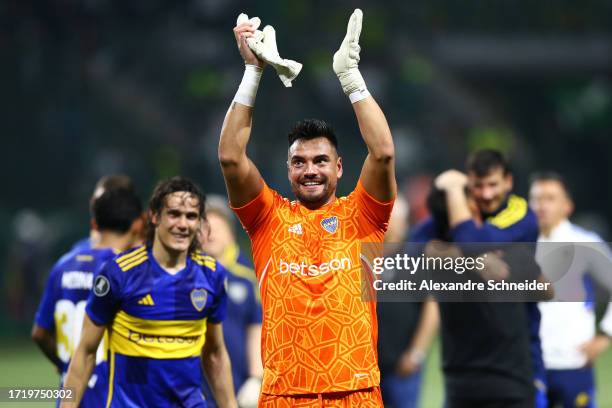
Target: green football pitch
[{"x": 23, "y": 366}]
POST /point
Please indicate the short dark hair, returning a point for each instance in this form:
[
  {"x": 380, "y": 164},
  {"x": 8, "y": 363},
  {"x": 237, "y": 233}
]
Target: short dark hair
[
  {"x": 308, "y": 129},
  {"x": 116, "y": 210},
  {"x": 483, "y": 162},
  {"x": 550, "y": 176},
  {"x": 111, "y": 182},
  {"x": 115, "y": 181},
  {"x": 158, "y": 201}
]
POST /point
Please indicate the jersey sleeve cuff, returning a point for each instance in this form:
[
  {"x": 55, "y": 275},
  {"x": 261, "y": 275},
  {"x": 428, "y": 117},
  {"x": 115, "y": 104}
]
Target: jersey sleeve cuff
[
  {"x": 371, "y": 197},
  {"x": 49, "y": 326},
  {"x": 216, "y": 320},
  {"x": 247, "y": 205},
  {"x": 94, "y": 318}
]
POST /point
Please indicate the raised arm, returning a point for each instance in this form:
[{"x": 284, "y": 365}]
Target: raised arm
[
  {"x": 83, "y": 361},
  {"x": 378, "y": 172},
  {"x": 242, "y": 179},
  {"x": 453, "y": 182}
]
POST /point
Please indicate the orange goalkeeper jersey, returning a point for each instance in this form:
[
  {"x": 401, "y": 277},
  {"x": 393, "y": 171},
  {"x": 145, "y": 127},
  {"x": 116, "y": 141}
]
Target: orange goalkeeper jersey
[{"x": 318, "y": 335}]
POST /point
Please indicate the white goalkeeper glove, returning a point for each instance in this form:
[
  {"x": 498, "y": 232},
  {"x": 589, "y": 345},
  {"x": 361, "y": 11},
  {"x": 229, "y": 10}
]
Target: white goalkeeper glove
[
  {"x": 263, "y": 44},
  {"x": 248, "y": 395},
  {"x": 346, "y": 60}
]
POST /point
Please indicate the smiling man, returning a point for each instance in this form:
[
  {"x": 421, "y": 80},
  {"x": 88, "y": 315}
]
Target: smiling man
[
  {"x": 495, "y": 369},
  {"x": 163, "y": 303},
  {"x": 318, "y": 336}
]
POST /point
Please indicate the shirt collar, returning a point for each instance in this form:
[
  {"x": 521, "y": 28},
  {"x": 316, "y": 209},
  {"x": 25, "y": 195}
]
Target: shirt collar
[
  {"x": 499, "y": 209},
  {"x": 557, "y": 233}
]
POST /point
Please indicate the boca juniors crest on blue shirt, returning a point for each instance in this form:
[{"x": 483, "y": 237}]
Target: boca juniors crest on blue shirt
[
  {"x": 198, "y": 298},
  {"x": 330, "y": 224}
]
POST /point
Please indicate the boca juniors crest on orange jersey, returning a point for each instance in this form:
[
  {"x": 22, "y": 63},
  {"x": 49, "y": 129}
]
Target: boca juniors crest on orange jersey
[{"x": 330, "y": 224}]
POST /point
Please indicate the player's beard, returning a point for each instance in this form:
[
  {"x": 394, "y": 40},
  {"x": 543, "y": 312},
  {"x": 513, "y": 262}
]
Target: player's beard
[{"x": 313, "y": 199}]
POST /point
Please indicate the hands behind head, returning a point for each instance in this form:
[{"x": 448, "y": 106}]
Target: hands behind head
[{"x": 451, "y": 179}]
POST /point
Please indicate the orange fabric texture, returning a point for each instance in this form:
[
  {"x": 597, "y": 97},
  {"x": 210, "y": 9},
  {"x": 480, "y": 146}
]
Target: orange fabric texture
[
  {"x": 369, "y": 398},
  {"x": 318, "y": 335}
]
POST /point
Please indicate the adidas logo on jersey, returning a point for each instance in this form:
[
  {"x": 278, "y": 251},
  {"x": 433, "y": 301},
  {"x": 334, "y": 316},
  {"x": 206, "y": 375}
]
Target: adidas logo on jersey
[
  {"x": 146, "y": 301},
  {"x": 296, "y": 229}
]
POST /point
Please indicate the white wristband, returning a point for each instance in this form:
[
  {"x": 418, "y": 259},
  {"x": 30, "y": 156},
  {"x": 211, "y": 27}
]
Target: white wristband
[
  {"x": 247, "y": 91},
  {"x": 359, "y": 95}
]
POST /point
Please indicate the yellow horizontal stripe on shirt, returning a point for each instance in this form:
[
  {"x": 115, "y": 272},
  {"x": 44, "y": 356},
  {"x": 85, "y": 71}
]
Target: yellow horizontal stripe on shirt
[
  {"x": 127, "y": 265},
  {"x": 131, "y": 254},
  {"x": 160, "y": 339},
  {"x": 207, "y": 261}
]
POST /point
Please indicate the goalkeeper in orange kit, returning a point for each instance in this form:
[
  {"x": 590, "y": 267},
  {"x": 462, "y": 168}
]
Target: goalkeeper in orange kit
[{"x": 318, "y": 336}]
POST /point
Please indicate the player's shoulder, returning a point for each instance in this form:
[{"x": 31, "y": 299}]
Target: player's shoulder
[
  {"x": 240, "y": 272},
  {"x": 279, "y": 202},
  {"x": 64, "y": 263},
  {"x": 130, "y": 260},
  {"x": 66, "y": 258},
  {"x": 581, "y": 234},
  {"x": 423, "y": 231},
  {"x": 209, "y": 266},
  {"x": 206, "y": 262},
  {"x": 82, "y": 244},
  {"x": 76, "y": 258},
  {"x": 516, "y": 210}
]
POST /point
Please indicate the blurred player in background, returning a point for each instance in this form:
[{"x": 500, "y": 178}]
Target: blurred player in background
[
  {"x": 569, "y": 342},
  {"x": 164, "y": 303},
  {"x": 405, "y": 329},
  {"x": 106, "y": 183},
  {"x": 57, "y": 328},
  {"x": 502, "y": 366},
  {"x": 242, "y": 328},
  {"x": 318, "y": 336}
]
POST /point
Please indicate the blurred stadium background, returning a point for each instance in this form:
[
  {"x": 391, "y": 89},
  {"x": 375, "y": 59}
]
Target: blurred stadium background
[{"x": 92, "y": 87}]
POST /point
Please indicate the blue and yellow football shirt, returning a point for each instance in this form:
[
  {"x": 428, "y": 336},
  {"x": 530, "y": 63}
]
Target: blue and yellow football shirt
[
  {"x": 62, "y": 309},
  {"x": 157, "y": 326}
]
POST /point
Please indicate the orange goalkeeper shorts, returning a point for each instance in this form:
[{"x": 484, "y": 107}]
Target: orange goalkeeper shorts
[{"x": 366, "y": 398}]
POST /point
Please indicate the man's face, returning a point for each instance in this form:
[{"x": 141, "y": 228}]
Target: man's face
[
  {"x": 178, "y": 221},
  {"x": 490, "y": 191},
  {"x": 314, "y": 169},
  {"x": 217, "y": 235},
  {"x": 550, "y": 203}
]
